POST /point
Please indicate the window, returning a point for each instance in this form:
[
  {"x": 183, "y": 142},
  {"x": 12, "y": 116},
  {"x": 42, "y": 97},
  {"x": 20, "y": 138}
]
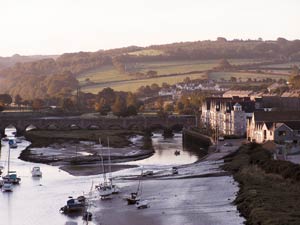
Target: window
[{"x": 282, "y": 133}]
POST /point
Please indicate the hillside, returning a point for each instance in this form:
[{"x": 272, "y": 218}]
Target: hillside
[{"x": 159, "y": 63}]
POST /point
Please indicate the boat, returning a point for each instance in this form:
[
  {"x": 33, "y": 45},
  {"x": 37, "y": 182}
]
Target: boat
[
  {"x": 148, "y": 173},
  {"x": 177, "y": 152},
  {"x": 74, "y": 205},
  {"x": 13, "y": 144},
  {"x": 114, "y": 188},
  {"x": 135, "y": 196},
  {"x": 174, "y": 170},
  {"x": 142, "y": 204},
  {"x": 7, "y": 186},
  {"x": 104, "y": 189},
  {"x": 36, "y": 171},
  {"x": 11, "y": 176}
]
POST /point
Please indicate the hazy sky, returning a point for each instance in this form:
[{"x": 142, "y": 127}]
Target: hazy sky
[{"x": 58, "y": 26}]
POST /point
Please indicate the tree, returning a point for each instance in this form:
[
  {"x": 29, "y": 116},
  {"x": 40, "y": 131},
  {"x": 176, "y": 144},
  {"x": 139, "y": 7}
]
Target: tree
[
  {"x": 119, "y": 107},
  {"x": 37, "y": 104},
  {"x": 131, "y": 100},
  {"x": 102, "y": 107},
  {"x": 5, "y": 99},
  {"x": 233, "y": 79},
  {"x": 169, "y": 107},
  {"x": 18, "y": 100},
  {"x": 131, "y": 110},
  {"x": 67, "y": 104},
  {"x": 1, "y": 107}
]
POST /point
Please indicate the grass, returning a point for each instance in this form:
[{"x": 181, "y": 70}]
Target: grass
[
  {"x": 108, "y": 76},
  {"x": 133, "y": 85},
  {"x": 104, "y": 74},
  {"x": 284, "y": 65},
  {"x": 244, "y": 76},
  {"x": 149, "y": 52},
  {"x": 269, "y": 190}
]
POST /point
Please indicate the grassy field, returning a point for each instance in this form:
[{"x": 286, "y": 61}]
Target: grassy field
[
  {"x": 108, "y": 76},
  {"x": 133, "y": 85},
  {"x": 243, "y": 76},
  {"x": 150, "y": 52},
  {"x": 284, "y": 65},
  {"x": 105, "y": 74}
]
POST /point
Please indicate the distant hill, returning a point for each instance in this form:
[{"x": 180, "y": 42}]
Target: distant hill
[
  {"x": 6, "y": 62},
  {"x": 30, "y": 78}
]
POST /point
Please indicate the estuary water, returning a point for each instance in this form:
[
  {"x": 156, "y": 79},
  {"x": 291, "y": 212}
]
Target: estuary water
[{"x": 36, "y": 201}]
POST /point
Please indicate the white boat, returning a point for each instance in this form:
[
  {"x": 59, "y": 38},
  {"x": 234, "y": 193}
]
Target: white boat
[
  {"x": 104, "y": 189},
  {"x": 7, "y": 186},
  {"x": 142, "y": 204},
  {"x": 36, "y": 171}
]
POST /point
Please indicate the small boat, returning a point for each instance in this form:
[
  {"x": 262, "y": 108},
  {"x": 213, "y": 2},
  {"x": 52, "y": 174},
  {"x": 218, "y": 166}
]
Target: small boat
[
  {"x": 148, "y": 173},
  {"x": 174, "y": 170},
  {"x": 7, "y": 186},
  {"x": 36, "y": 171},
  {"x": 133, "y": 199},
  {"x": 74, "y": 205},
  {"x": 142, "y": 204},
  {"x": 177, "y": 152},
  {"x": 12, "y": 177}
]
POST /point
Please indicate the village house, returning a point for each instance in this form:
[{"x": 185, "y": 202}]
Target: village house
[
  {"x": 228, "y": 115},
  {"x": 278, "y": 126}
]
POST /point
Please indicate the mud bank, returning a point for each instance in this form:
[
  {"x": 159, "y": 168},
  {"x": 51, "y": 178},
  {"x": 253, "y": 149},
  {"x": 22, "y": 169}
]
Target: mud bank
[{"x": 79, "y": 153}]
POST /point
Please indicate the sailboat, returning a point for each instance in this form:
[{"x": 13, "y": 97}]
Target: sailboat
[
  {"x": 8, "y": 180},
  {"x": 115, "y": 189},
  {"x": 104, "y": 188},
  {"x": 141, "y": 204},
  {"x": 11, "y": 176},
  {"x": 134, "y": 196}
]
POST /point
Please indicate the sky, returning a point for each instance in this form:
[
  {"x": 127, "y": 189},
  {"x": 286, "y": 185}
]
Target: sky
[{"x": 31, "y": 27}]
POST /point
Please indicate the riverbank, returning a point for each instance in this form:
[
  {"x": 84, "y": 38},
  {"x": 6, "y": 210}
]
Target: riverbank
[
  {"x": 269, "y": 189},
  {"x": 78, "y": 153}
]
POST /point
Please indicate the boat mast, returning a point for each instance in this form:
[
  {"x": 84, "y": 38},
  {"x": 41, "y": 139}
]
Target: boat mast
[
  {"x": 109, "y": 161},
  {"x": 103, "y": 168},
  {"x": 8, "y": 160}
]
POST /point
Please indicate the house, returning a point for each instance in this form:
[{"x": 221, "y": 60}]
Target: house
[
  {"x": 228, "y": 115},
  {"x": 278, "y": 126}
]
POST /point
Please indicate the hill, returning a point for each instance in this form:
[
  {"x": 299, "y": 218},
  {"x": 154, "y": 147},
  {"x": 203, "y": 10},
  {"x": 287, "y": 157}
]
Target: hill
[{"x": 171, "y": 61}]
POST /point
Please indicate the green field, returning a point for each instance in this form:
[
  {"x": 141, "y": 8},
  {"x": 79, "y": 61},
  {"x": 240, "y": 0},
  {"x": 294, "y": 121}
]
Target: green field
[
  {"x": 150, "y": 52},
  {"x": 105, "y": 74},
  {"x": 243, "y": 76},
  {"x": 284, "y": 65},
  {"x": 108, "y": 76},
  {"x": 133, "y": 85},
  {"x": 174, "y": 67}
]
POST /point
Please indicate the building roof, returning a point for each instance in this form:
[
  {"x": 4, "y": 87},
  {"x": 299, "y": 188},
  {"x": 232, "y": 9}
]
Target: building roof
[
  {"x": 277, "y": 116},
  {"x": 294, "y": 125}
]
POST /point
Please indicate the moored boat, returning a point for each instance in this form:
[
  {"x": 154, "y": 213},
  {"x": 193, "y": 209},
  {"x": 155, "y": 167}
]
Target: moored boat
[
  {"x": 74, "y": 205},
  {"x": 36, "y": 171}
]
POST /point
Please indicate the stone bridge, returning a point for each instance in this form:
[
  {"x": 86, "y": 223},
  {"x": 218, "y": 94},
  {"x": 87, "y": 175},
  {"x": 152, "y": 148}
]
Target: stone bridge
[{"x": 103, "y": 123}]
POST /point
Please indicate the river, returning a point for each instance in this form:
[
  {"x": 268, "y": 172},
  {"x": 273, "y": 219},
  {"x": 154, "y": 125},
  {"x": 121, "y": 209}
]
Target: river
[{"x": 36, "y": 201}]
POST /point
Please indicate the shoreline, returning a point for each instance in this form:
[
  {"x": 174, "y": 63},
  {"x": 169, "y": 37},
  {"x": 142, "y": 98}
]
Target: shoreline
[{"x": 77, "y": 153}]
